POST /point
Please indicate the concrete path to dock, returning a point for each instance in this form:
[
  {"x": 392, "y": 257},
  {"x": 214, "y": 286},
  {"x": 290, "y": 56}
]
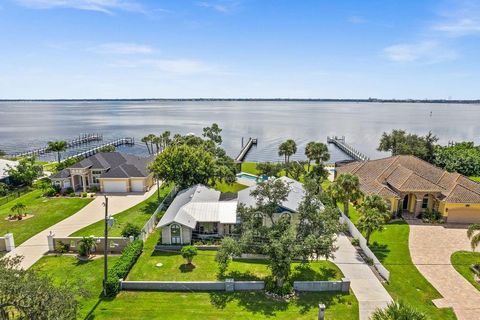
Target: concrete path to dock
[{"x": 37, "y": 246}]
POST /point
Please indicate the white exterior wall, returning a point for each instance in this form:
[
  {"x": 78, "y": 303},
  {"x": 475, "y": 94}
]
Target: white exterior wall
[{"x": 185, "y": 233}]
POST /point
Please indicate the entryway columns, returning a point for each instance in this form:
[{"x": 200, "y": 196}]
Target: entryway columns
[{"x": 84, "y": 183}]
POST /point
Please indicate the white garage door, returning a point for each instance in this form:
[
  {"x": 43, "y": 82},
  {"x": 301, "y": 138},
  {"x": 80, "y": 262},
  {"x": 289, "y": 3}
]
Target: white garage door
[
  {"x": 464, "y": 215},
  {"x": 137, "y": 185},
  {"x": 114, "y": 186}
]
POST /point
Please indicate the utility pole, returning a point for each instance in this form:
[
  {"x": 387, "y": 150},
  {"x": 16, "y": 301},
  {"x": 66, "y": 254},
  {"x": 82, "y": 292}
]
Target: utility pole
[{"x": 105, "y": 262}]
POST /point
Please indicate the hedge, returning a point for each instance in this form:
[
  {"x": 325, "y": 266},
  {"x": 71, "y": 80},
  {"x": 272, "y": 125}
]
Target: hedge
[{"x": 122, "y": 266}]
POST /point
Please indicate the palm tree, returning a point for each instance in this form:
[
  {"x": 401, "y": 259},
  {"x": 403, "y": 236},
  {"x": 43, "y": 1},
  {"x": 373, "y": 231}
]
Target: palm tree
[
  {"x": 375, "y": 202},
  {"x": 370, "y": 220},
  {"x": 347, "y": 187},
  {"x": 85, "y": 246},
  {"x": 309, "y": 152},
  {"x": 397, "y": 310},
  {"x": 146, "y": 140},
  {"x": 166, "y": 141},
  {"x": 287, "y": 149},
  {"x": 316, "y": 151},
  {"x": 19, "y": 208},
  {"x": 473, "y": 233},
  {"x": 57, "y": 146},
  {"x": 157, "y": 140}
]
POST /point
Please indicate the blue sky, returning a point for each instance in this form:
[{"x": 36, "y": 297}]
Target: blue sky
[{"x": 239, "y": 48}]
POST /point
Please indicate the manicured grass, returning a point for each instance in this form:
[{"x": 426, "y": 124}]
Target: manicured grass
[
  {"x": 221, "y": 305},
  {"x": 477, "y": 179},
  {"x": 249, "y": 167},
  {"x": 137, "y": 215},
  {"x": 85, "y": 275},
  {"x": 225, "y": 187},
  {"x": 462, "y": 260},
  {"x": 46, "y": 211},
  {"x": 205, "y": 267},
  {"x": 406, "y": 282}
]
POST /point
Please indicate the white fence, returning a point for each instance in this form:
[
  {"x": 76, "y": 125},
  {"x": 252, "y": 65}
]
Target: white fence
[
  {"x": 228, "y": 285},
  {"x": 152, "y": 222},
  {"x": 363, "y": 244}
]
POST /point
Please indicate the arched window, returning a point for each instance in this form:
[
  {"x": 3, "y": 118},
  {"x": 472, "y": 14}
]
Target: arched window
[
  {"x": 175, "y": 234},
  {"x": 286, "y": 215}
]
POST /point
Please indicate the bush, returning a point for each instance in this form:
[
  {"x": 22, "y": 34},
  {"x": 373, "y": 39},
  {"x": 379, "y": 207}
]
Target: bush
[
  {"x": 122, "y": 266},
  {"x": 355, "y": 242},
  {"x": 50, "y": 192},
  {"x": 69, "y": 191},
  {"x": 84, "y": 194},
  {"x": 271, "y": 286},
  {"x": 131, "y": 230},
  {"x": 369, "y": 261},
  {"x": 61, "y": 247},
  {"x": 94, "y": 189},
  {"x": 431, "y": 216},
  {"x": 188, "y": 252}
]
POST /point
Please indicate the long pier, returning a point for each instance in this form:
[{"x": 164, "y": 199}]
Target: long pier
[
  {"x": 91, "y": 152},
  {"x": 80, "y": 140},
  {"x": 245, "y": 148},
  {"x": 348, "y": 149}
]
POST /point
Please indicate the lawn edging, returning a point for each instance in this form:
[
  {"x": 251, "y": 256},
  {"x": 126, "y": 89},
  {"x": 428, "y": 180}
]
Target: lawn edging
[{"x": 363, "y": 244}]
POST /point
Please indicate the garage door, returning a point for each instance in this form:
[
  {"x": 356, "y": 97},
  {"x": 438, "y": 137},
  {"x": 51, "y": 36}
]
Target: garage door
[
  {"x": 464, "y": 215},
  {"x": 137, "y": 185},
  {"x": 114, "y": 186}
]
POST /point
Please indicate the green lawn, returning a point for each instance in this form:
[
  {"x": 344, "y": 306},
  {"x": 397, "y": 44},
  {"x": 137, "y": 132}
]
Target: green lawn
[
  {"x": 406, "y": 282},
  {"x": 221, "y": 305},
  {"x": 137, "y": 215},
  {"x": 174, "y": 267},
  {"x": 475, "y": 179},
  {"x": 249, "y": 167},
  {"x": 225, "y": 187},
  {"x": 462, "y": 260},
  {"x": 85, "y": 275},
  {"x": 46, "y": 211}
]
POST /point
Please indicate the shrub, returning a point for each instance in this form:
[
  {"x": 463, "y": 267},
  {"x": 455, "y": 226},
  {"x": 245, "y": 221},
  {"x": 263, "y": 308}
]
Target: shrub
[
  {"x": 398, "y": 310},
  {"x": 69, "y": 190},
  {"x": 94, "y": 189},
  {"x": 122, "y": 266},
  {"x": 61, "y": 247},
  {"x": 355, "y": 242},
  {"x": 50, "y": 192},
  {"x": 131, "y": 230},
  {"x": 431, "y": 216},
  {"x": 84, "y": 194},
  {"x": 188, "y": 252},
  {"x": 271, "y": 286},
  {"x": 369, "y": 261},
  {"x": 85, "y": 246}
]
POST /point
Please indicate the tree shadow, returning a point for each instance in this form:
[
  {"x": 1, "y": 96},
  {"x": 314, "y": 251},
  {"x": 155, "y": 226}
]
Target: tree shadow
[
  {"x": 240, "y": 276},
  {"x": 160, "y": 253},
  {"x": 381, "y": 251},
  {"x": 304, "y": 272},
  {"x": 150, "y": 207},
  {"x": 186, "y": 267},
  {"x": 254, "y": 302},
  {"x": 307, "y": 301}
]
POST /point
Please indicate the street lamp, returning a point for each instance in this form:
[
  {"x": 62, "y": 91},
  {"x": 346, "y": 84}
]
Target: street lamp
[{"x": 108, "y": 224}]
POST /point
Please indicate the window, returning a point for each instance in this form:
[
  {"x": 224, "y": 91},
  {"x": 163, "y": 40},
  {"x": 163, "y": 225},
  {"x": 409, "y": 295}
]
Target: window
[
  {"x": 425, "y": 202},
  {"x": 175, "y": 234},
  {"x": 96, "y": 172},
  {"x": 286, "y": 215}
]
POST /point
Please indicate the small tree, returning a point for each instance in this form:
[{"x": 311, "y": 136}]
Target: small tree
[
  {"x": 19, "y": 208},
  {"x": 3, "y": 189},
  {"x": 473, "y": 234},
  {"x": 25, "y": 172},
  {"x": 397, "y": 310},
  {"x": 229, "y": 248},
  {"x": 57, "y": 146},
  {"x": 213, "y": 133},
  {"x": 131, "y": 229},
  {"x": 86, "y": 246},
  {"x": 269, "y": 169},
  {"x": 188, "y": 252},
  {"x": 370, "y": 220},
  {"x": 296, "y": 169},
  {"x": 316, "y": 151}
]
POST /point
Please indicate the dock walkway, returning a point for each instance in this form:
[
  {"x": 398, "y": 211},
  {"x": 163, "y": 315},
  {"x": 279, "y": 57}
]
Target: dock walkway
[{"x": 348, "y": 149}]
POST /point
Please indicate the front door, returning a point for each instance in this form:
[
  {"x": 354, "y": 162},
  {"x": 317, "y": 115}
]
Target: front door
[
  {"x": 405, "y": 203},
  {"x": 175, "y": 237}
]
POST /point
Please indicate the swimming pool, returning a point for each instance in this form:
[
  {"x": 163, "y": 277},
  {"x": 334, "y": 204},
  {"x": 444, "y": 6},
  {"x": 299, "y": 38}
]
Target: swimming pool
[{"x": 251, "y": 177}]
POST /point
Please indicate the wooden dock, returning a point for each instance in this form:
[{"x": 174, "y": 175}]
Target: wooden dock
[
  {"x": 245, "y": 149},
  {"x": 80, "y": 140},
  {"x": 91, "y": 152},
  {"x": 348, "y": 149}
]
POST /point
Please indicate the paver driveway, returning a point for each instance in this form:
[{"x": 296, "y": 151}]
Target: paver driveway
[
  {"x": 35, "y": 247},
  {"x": 431, "y": 247}
]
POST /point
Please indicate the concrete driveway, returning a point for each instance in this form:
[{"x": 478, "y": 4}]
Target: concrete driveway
[
  {"x": 35, "y": 247},
  {"x": 431, "y": 247},
  {"x": 368, "y": 290}
]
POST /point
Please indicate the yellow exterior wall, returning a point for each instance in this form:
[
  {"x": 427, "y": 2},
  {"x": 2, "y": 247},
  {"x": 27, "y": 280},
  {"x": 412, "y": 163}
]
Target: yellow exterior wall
[{"x": 443, "y": 206}]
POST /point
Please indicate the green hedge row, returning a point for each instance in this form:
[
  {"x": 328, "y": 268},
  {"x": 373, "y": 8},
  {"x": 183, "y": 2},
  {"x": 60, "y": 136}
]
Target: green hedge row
[{"x": 122, "y": 266}]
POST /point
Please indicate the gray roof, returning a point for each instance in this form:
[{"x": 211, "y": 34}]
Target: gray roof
[
  {"x": 118, "y": 165},
  {"x": 297, "y": 192}
]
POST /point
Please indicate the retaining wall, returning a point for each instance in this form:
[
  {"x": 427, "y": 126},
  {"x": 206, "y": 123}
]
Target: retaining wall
[
  {"x": 363, "y": 244},
  {"x": 115, "y": 244},
  {"x": 227, "y": 285},
  {"x": 320, "y": 286}
]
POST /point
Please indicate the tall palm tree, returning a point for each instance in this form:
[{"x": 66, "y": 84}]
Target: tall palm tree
[
  {"x": 146, "y": 140},
  {"x": 347, "y": 186},
  {"x": 151, "y": 139},
  {"x": 397, "y": 310},
  {"x": 320, "y": 153},
  {"x": 166, "y": 141},
  {"x": 309, "y": 153},
  {"x": 156, "y": 140},
  {"x": 57, "y": 146},
  {"x": 473, "y": 234},
  {"x": 287, "y": 149}
]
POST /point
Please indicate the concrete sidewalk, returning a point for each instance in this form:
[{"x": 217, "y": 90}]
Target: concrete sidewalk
[
  {"x": 35, "y": 247},
  {"x": 365, "y": 285}
]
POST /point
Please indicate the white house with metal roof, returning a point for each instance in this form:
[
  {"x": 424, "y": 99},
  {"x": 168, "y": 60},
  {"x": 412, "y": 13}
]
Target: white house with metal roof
[{"x": 202, "y": 212}]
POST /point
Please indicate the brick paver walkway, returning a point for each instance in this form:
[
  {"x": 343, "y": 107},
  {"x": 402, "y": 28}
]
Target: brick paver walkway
[{"x": 431, "y": 247}]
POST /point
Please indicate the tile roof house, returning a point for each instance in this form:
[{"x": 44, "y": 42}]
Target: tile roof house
[
  {"x": 413, "y": 185},
  {"x": 201, "y": 212},
  {"x": 109, "y": 172}
]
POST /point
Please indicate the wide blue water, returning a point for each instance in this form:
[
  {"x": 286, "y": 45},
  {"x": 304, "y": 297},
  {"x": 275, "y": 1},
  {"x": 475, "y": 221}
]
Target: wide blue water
[{"x": 25, "y": 125}]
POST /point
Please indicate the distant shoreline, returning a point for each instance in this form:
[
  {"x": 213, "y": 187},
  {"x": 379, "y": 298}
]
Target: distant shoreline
[{"x": 257, "y": 99}]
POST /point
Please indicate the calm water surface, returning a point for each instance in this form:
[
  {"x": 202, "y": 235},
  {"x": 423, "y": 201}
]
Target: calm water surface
[{"x": 24, "y": 125}]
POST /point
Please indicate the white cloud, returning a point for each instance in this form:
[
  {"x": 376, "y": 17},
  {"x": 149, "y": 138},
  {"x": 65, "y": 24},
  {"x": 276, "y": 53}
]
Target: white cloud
[
  {"x": 222, "y": 6},
  {"x": 105, "y": 6},
  {"x": 122, "y": 48},
  {"x": 458, "y": 18},
  {"x": 460, "y": 27},
  {"x": 357, "y": 20},
  {"x": 425, "y": 51}
]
